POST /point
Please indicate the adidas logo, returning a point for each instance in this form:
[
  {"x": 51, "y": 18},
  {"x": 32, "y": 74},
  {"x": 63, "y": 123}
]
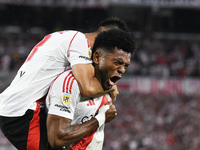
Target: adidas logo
[{"x": 90, "y": 103}]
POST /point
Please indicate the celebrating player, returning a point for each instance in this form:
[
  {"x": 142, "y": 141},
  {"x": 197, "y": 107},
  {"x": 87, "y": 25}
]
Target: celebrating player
[
  {"x": 22, "y": 103},
  {"x": 78, "y": 122}
]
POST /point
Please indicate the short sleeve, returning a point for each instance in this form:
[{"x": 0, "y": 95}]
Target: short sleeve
[
  {"x": 79, "y": 51},
  {"x": 63, "y": 102}
]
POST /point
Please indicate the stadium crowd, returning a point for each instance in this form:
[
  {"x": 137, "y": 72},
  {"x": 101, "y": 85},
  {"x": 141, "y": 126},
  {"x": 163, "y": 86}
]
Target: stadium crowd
[
  {"x": 144, "y": 122},
  {"x": 154, "y": 58},
  {"x": 166, "y": 59},
  {"x": 14, "y": 49},
  {"x": 154, "y": 122}
]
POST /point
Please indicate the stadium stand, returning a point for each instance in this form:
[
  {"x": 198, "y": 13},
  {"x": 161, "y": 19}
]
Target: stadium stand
[
  {"x": 154, "y": 122},
  {"x": 145, "y": 121},
  {"x": 158, "y": 106}
]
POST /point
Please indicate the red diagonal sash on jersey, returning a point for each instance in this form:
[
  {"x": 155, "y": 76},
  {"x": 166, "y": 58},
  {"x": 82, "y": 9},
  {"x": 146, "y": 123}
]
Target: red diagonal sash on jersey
[{"x": 83, "y": 143}]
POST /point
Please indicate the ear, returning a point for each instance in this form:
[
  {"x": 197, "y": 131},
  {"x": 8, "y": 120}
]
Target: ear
[{"x": 96, "y": 57}]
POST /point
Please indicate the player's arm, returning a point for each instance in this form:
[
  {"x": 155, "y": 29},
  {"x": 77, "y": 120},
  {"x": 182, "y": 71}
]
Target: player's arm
[
  {"x": 89, "y": 85},
  {"x": 83, "y": 69},
  {"x": 61, "y": 133}
]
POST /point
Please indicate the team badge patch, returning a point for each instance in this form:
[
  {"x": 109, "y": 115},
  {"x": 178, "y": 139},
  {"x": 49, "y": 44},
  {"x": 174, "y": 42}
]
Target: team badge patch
[
  {"x": 66, "y": 98},
  {"x": 89, "y": 52}
]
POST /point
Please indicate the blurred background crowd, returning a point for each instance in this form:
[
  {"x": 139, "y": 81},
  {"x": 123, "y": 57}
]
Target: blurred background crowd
[
  {"x": 167, "y": 38},
  {"x": 154, "y": 58},
  {"x": 155, "y": 122}
]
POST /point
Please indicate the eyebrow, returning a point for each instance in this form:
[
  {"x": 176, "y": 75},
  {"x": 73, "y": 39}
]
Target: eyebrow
[{"x": 120, "y": 62}]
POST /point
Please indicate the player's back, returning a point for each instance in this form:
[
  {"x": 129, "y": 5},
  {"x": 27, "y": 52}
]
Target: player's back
[{"x": 45, "y": 62}]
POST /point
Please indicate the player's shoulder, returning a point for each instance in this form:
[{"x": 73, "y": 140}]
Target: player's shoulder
[
  {"x": 67, "y": 80},
  {"x": 65, "y": 75},
  {"x": 68, "y": 33},
  {"x": 77, "y": 36}
]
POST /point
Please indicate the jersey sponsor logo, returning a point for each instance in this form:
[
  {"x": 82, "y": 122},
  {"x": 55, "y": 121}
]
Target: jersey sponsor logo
[
  {"x": 63, "y": 108},
  {"x": 86, "y": 118},
  {"x": 89, "y": 53},
  {"x": 66, "y": 98},
  {"x": 84, "y": 57}
]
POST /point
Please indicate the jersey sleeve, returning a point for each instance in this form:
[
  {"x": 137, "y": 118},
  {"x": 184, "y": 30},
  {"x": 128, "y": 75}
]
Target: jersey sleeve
[
  {"x": 63, "y": 97},
  {"x": 79, "y": 50}
]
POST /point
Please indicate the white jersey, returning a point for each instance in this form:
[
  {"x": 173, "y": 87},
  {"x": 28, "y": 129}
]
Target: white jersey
[
  {"x": 46, "y": 61},
  {"x": 64, "y": 100}
]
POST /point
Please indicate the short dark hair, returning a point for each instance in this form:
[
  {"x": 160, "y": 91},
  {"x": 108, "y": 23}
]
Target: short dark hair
[
  {"x": 112, "y": 38},
  {"x": 114, "y": 22}
]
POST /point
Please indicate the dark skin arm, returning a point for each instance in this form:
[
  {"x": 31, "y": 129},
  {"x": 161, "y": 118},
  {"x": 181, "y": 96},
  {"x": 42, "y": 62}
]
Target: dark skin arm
[
  {"x": 89, "y": 85},
  {"x": 61, "y": 133}
]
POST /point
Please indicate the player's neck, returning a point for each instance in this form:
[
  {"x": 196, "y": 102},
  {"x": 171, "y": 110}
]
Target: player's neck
[{"x": 91, "y": 38}]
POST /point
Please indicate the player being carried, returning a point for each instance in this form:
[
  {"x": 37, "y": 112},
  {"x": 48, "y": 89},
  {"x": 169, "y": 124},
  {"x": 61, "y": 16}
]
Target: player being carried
[
  {"x": 22, "y": 103},
  {"x": 78, "y": 122}
]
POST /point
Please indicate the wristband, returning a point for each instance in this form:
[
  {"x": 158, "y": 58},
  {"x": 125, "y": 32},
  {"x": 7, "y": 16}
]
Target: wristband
[{"x": 101, "y": 117}]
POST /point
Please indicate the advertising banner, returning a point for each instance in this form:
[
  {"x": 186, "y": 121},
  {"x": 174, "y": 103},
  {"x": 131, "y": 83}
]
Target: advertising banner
[{"x": 165, "y": 86}]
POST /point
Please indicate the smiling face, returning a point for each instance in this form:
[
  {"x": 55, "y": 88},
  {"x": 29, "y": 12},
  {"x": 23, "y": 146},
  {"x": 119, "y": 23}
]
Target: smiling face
[{"x": 109, "y": 67}]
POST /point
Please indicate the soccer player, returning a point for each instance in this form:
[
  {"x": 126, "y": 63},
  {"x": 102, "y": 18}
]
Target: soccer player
[
  {"x": 22, "y": 103},
  {"x": 76, "y": 121}
]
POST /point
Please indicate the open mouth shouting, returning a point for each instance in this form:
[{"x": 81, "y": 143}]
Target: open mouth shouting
[{"x": 113, "y": 80}]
